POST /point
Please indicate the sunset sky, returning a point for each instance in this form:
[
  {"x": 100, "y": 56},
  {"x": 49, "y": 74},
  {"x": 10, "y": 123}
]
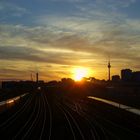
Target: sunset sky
[{"x": 54, "y": 37}]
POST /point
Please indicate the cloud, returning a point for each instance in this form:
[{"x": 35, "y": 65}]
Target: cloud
[
  {"x": 8, "y": 9},
  {"x": 73, "y": 40},
  {"x": 19, "y": 53},
  {"x": 103, "y": 40},
  {"x": 99, "y": 36},
  {"x": 85, "y": 35},
  {"x": 114, "y": 3},
  {"x": 71, "y": 1}
]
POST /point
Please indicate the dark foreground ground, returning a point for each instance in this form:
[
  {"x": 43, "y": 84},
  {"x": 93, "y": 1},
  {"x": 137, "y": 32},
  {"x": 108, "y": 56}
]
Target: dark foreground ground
[{"x": 46, "y": 114}]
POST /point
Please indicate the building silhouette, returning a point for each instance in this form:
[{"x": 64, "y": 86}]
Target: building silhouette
[
  {"x": 126, "y": 75},
  {"x": 136, "y": 76},
  {"x": 115, "y": 78}
]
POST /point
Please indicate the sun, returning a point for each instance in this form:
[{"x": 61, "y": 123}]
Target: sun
[{"x": 79, "y": 73}]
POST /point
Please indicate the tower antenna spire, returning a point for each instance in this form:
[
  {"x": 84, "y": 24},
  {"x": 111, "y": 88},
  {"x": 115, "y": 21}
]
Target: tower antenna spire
[{"x": 109, "y": 67}]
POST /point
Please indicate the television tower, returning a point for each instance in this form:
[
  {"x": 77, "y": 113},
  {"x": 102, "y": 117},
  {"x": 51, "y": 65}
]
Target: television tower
[{"x": 109, "y": 67}]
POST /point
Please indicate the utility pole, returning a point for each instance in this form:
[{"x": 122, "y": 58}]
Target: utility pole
[
  {"x": 31, "y": 77},
  {"x": 37, "y": 77}
]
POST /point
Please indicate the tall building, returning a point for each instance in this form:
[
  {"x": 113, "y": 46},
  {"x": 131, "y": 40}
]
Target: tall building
[
  {"x": 126, "y": 75},
  {"x": 109, "y": 66},
  {"x": 136, "y": 76}
]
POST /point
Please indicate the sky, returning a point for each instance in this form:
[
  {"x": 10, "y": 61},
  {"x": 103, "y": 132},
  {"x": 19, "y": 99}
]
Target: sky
[{"x": 53, "y": 37}]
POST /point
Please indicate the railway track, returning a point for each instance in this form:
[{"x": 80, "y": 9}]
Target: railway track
[
  {"x": 39, "y": 116},
  {"x": 110, "y": 127},
  {"x": 87, "y": 129},
  {"x": 73, "y": 125},
  {"x": 10, "y": 126},
  {"x": 38, "y": 119}
]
